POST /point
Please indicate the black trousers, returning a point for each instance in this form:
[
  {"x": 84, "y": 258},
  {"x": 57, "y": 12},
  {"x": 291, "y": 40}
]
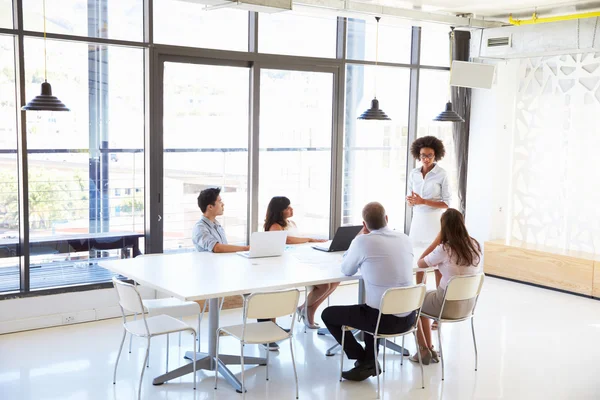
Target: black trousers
[{"x": 362, "y": 317}]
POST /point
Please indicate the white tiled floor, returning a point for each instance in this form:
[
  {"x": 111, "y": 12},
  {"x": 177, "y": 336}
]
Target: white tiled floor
[{"x": 533, "y": 344}]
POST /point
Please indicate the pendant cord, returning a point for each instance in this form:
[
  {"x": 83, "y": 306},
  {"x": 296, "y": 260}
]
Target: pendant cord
[
  {"x": 376, "y": 52},
  {"x": 45, "y": 56},
  {"x": 451, "y": 54}
]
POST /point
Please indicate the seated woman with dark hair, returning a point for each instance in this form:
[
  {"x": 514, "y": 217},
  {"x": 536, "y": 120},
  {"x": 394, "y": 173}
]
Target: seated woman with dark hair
[
  {"x": 278, "y": 217},
  {"x": 454, "y": 252}
]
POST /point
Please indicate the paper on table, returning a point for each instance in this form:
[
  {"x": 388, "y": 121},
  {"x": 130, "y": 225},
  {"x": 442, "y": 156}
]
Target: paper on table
[{"x": 317, "y": 257}]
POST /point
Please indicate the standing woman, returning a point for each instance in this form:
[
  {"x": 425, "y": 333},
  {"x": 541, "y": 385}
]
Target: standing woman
[
  {"x": 278, "y": 217},
  {"x": 428, "y": 190}
]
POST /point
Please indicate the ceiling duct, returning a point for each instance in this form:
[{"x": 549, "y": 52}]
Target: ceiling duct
[{"x": 352, "y": 9}]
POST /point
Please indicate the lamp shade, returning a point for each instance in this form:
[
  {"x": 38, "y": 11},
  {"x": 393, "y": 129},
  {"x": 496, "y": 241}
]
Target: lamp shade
[
  {"x": 449, "y": 115},
  {"x": 374, "y": 113},
  {"x": 45, "y": 101}
]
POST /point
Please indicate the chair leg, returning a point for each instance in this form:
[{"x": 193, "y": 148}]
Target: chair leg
[
  {"x": 131, "y": 336},
  {"x": 198, "y": 331},
  {"x": 193, "y": 333},
  {"x": 474, "y": 341},
  {"x": 148, "y": 358},
  {"x": 118, "y": 356},
  {"x": 294, "y": 365},
  {"x": 217, "y": 358},
  {"x": 376, "y": 344},
  {"x": 143, "y": 370},
  {"x": 342, "y": 352},
  {"x": 167, "y": 366},
  {"x": 402, "y": 352},
  {"x": 384, "y": 346},
  {"x": 305, "y": 310},
  {"x": 242, "y": 365},
  {"x": 420, "y": 362},
  {"x": 439, "y": 330},
  {"x": 268, "y": 364}
]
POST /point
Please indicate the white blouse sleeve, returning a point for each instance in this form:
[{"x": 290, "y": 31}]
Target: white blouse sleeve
[{"x": 446, "y": 195}]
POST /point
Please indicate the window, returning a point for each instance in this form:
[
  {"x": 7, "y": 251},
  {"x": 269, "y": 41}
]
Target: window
[
  {"x": 433, "y": 95},
  {"x": 9, "y": 196},
  {"x": 6, "y": 14},
  {"x": 295, "y": 145},
  {"x": 113, "y": 19},
  {"x": 394, "y": 41},
  {"x": 205, "y": 145},
  {"x": 375, "y": 151},
  {"x": 435, "y": 46},
  {"x": 76, "y": 176},
  {"x": 297, "y": 35},
  {"x": 188, "y": 23}
]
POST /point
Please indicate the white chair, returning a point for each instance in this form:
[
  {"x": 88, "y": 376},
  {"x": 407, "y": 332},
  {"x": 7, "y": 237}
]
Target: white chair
[
  {"x": 263, "y": 306},
  {"x": 394, "y": 301},
  {"x": 131, "y": 301},
  {"x": 465, "y": 287},
  {"x": 172, "y": 307}
]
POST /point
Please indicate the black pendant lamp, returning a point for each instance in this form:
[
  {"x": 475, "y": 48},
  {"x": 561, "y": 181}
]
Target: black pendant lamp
[
  {"x": 449, "y": 115},
  {"x": 45, "y": 101},
  {"x": 375, "y": 113}
]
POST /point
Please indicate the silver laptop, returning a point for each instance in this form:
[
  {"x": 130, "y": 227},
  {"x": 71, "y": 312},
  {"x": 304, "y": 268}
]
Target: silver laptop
[{"x": 265, "y": 244}]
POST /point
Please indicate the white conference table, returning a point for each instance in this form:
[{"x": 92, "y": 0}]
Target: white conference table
[{"x": 209, "y": 276}]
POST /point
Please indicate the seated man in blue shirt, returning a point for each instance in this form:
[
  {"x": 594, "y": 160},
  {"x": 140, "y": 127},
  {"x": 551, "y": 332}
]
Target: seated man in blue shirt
[
  {"x": 385, "y": 258},
  {"x": 208, "y": 234}
]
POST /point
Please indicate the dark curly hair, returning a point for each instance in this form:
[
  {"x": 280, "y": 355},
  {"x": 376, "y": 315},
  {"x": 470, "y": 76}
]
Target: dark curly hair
[{"x": 428, "y": 141}]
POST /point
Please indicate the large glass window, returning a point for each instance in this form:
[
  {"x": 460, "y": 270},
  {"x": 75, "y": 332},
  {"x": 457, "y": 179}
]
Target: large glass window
[
  {"x": 9, "y": 194},
  {"x": 113, "y": 19},
  {"x": 375, "y": 151},
  {"x": 188, "y": 23},
  {"x": 295, "y": 145},
  {"x": 394, "y": 41},
  {"x": 206, "y": 145},
  {"x": 86, "y": 167},
  {"x": 435, "y": 46},
  {"x": 6, "y": 14},
  {"x": 433, "y": 95},
  {"x": 297, "y": 35}
]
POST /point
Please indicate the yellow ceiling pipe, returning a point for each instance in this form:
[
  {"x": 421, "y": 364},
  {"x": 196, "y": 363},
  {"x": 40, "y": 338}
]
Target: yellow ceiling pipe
[{"x": 536, "y": 20}]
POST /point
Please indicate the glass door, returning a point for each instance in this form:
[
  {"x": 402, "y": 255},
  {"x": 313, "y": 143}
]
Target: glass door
[
  {"x": 295, "y": 138},
  {"x": 205, "y": 144}
]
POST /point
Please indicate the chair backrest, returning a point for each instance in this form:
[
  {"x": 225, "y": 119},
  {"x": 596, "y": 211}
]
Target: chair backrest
[
  {"x": 129, "y": 297},
  {"x": 272, "y": 304},
  {"x": 464, "y": 287},
  {"x": 402, "y": 299}
]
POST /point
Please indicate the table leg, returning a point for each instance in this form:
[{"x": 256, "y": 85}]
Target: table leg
[{"x": 207, "y": 361}]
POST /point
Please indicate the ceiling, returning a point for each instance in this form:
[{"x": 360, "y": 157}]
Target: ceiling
[{"x": 495, "y": 8}]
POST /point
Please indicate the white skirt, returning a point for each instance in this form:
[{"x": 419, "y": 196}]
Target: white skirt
[{"x": 424, "y": 228}]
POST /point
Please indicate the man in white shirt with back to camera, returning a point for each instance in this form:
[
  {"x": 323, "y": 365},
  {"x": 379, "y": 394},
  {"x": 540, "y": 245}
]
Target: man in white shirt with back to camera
[{"x": 385, "y": 258}]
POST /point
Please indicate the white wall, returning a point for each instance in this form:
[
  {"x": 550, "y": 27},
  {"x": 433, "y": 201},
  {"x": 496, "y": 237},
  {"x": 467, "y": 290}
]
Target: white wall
[{"x": 490, "y": 149}]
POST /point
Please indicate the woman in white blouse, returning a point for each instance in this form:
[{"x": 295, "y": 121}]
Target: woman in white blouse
[
  {"x": 454, "y": 252},
  {"x": 428, "y": 190},
  {"x": 278, "y": 217}
]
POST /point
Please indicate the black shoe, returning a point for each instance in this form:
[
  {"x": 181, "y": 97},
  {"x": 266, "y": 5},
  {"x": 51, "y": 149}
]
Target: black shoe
[
  {"x": 361, "y": 372},
  {"x": 271, "y": 346}
]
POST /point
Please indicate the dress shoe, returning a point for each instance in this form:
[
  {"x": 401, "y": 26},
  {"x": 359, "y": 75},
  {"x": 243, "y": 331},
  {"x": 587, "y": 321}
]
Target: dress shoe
[{"x": 364, "y": 370}]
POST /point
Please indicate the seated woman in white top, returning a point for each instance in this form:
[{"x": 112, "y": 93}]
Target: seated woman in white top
[
  {"x": 278, "y": 217},
  {"x": 454, "y": 252}
]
